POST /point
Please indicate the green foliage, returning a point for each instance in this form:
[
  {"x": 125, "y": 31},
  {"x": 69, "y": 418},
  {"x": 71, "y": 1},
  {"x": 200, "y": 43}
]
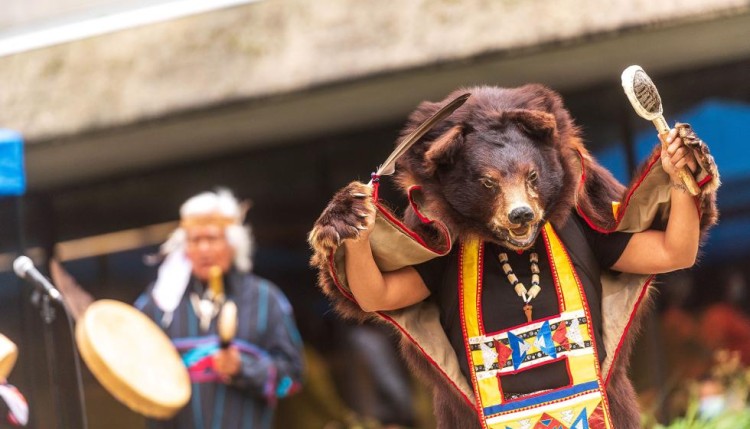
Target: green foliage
[
  {"x": 729, "y": 378},
  {"x": 728, "y": 420}
]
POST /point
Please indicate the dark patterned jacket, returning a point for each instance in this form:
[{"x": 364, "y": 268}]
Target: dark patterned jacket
[{"x": 270, "y": 348}]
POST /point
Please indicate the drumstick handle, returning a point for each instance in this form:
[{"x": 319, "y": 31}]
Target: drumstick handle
[
  {"x": 226, "y": 324},
  {"x": 687, "y": 178}
]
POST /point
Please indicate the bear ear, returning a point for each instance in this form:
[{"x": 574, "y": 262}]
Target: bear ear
[
  {"x": 540, "y": 97},
  {"x": 444, "y": 149},
  {"x": 537, "y": 124}
]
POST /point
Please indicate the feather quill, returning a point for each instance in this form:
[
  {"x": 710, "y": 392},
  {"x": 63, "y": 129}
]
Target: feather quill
[{"x": 389, "y": 166}]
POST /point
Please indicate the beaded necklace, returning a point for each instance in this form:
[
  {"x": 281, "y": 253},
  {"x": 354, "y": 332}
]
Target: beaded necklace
[{"x": 526, "y": 295}]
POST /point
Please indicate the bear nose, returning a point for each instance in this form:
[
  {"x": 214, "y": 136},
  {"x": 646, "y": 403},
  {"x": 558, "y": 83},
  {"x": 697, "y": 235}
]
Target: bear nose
[{"x": 521, "y": 215}]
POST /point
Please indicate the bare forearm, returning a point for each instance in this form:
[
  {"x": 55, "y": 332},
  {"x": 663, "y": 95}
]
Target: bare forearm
[
  {"x": 679, "y": 247},
  {"x": 376, "y": 291},
  {"x": 365, "y": 279},
  {"x": 654, "y": 252},
  {"x": 682, "y": 235},
  {"x": 348, "y": 221}
]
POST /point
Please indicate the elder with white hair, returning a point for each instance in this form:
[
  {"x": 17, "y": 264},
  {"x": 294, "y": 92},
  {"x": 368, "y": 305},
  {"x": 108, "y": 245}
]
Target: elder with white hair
[{"x": 207, "y": 264}]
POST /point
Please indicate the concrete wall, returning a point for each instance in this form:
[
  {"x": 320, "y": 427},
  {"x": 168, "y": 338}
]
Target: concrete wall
[{"x": 275, "y": 48}]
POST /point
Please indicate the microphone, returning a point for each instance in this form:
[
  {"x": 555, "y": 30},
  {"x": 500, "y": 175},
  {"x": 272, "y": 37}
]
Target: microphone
[{"x": 25, "y": 269}]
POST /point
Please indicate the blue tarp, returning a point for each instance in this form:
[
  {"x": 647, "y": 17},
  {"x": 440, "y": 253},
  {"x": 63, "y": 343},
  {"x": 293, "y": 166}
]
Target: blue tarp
[
  {"x": 12, "y": 175},
  {"x": 723, "y": 125}
]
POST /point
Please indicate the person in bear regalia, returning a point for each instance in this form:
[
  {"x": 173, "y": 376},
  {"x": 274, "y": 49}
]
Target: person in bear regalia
[{"x": 518, "y": 273}]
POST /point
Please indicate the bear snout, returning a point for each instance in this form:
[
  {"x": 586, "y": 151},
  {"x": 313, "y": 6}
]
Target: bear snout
[{"x": 521, "y": 215}]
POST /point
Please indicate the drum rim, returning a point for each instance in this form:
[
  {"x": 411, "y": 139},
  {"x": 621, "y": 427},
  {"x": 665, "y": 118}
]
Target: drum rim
[{"x": 123, "y": 391}]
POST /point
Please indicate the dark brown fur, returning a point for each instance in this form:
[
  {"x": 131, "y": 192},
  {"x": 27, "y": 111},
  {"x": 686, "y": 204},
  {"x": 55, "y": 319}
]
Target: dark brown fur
[{"x": 490, "y": 117}]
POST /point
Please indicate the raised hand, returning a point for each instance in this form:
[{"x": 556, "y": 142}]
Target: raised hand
[
  {"x": 702, "y": 155},
  {"x": 677, "y": 155}
]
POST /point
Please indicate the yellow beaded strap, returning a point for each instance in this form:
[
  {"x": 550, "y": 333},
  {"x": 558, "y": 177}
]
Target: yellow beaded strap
[{"x": 565, "y": 337}]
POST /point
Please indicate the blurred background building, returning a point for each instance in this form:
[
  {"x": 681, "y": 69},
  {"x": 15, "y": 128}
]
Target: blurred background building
[{"x": 129, "y": 107}]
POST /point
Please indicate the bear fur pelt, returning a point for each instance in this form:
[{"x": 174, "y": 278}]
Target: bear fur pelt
[{"x": 503, "y": 137}]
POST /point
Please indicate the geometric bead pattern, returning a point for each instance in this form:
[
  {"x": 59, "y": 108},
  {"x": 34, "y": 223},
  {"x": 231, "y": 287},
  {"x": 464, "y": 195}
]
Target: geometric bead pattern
[{"x": 511, "y": 350}]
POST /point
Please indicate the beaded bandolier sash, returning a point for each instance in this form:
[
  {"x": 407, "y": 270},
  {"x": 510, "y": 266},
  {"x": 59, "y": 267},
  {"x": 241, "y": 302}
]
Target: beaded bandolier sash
[{"x": 567, "y": 336}]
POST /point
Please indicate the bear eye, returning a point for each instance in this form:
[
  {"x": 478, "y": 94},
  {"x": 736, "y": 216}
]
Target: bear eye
[
  {"x": 488, "y": 183},
  {"x": 533, "y": 176}
]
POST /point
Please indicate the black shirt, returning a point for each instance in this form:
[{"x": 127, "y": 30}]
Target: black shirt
[{"x": 590, "y": 252}]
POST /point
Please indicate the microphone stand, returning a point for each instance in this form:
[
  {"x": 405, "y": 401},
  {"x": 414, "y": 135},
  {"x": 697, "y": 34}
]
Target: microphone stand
[
  {"x": 47, "y": 313},
  {"x": 42, "y": 301}
]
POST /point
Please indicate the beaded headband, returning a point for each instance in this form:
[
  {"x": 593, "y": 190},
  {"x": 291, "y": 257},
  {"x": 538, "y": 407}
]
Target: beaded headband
[{"x": 208, "y": 219}]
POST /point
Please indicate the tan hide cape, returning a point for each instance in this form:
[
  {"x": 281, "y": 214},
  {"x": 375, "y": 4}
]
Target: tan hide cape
[{"x": 395, "y": 246}]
